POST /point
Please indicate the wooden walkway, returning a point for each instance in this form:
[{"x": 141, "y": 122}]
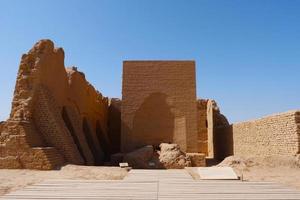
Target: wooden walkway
[{"x": 154, "y": 184}]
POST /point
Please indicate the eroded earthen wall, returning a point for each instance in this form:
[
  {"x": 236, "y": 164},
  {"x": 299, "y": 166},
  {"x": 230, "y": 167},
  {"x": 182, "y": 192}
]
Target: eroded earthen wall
[
  {"x": 114, "y": 124},
  {"x": 277, "y": 134},
  {"x": 159, "y": 104},
  {"x": 56, "y": 115},
  {"x": 202, "y": 126},
  {"x": 213, "y": 140}
]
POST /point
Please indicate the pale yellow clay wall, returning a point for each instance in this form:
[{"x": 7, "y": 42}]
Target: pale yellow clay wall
[
  {"x": 202, "y": 125},
  {"x": 272, "y": 135},
  {"x": 57, "y": 116},
  {"x": 159, "y": 104},
  {"x": 210, "y": 129}
]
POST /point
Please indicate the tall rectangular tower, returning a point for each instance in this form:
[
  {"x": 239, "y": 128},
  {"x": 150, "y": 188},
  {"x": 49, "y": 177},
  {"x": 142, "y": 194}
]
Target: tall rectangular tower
[{"x": 159, "y": 104}]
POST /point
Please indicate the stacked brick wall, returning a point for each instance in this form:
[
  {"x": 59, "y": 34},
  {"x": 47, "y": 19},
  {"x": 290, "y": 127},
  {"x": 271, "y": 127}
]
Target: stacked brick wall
[
  {"x": 76, "y": 123},
  {"x": 202, "y": 125},
  {"x": 277, "y": 134},
  {"x": 17, "y": 149},
  {"x": 54, "y": 112},
  {"x": 47, "y": 117},
  {"x": 214, "y": 140},
  {"x": 159, "y": 104}
]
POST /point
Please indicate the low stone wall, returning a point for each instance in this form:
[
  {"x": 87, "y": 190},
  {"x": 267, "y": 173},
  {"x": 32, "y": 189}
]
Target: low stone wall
[{"x": 278, "y": 134}]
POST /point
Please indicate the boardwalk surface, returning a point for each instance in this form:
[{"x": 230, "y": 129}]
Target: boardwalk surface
[{"x": 154, "y": 184}]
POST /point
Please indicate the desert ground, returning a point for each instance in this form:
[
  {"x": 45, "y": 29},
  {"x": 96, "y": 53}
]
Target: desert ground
[
  {"x": 14, "y": 179},
  {"x": 284, "y": 170}
]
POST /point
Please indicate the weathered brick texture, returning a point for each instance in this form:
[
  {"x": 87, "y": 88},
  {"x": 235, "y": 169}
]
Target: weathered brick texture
[
  {"x": 202, "y": 126},
  {"x": 159, "y": 104},
  {"x": 56, "y": 115},
  {"x": 277, "y": 134},
  {"x": 212, "y": 141}
]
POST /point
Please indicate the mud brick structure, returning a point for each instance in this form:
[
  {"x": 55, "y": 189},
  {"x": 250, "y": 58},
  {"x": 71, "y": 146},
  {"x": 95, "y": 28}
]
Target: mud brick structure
[
  {"x": 210, "y": 139},
  {"x": 58, "y": 117},
  {"x": 159, "y": 104},
  {"x": 202, "y": 126},
  {"x": 277, "y": 134},
  {"x": 114, "y": 124}
]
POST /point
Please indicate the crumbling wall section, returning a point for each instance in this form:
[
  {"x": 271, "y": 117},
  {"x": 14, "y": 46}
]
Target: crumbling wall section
[
  {"x": 1, "y": 126},
  {"x": 214, "y": 140},
  {"x": 222, "y": 137},
  {"x": 272, "y": 135},
  {"x": 202, "y": 126},
  {"x": 50, "y": 104},
  {"x": 114, "y": 124},
  {"x": 49, "y": 122}
]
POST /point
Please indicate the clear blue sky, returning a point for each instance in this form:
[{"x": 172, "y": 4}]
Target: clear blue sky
[{"x": 247, "y": 52}]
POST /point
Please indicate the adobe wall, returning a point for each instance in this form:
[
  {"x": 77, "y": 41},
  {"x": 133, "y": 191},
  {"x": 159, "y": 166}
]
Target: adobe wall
[
  {"x": 1, "y": 125},
  {"x": 159, "y": 104},
  {"x": 210, "y": 129},
  {"x": 114, "y": 124},
  {"x": 57, "y": 116},
  {"x": 277, "y": 134},
  {"x": 202, "y": 126},
  {"x": 213, "y": 140}
]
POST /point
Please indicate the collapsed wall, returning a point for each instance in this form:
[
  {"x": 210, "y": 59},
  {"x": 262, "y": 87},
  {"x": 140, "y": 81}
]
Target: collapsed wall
[
  {"x": 278, "y": 134},
  {"x": 57, "y": 116},
  {"x": 211, "y": 141},
  {"x": 202, "y": 140}
]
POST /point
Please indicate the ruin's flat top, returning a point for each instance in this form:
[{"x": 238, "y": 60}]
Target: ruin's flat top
[
  {"x": 217, "y": 173},
  {"x": 156, "y": 184}
]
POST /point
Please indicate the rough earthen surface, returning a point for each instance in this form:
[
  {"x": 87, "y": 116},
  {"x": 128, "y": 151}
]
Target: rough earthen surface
[
  {"x": 197, "y": 159},
  {"x": 202, "y": 126},
  {"x": 277, "y": 134},
  {"x": 212, "y": 141},
  {"x": 171, "y": 157},
  {"x": 159, "y": 104},
  {"x": 57, "y": 116},
  {"x": 140, "y": 158}
]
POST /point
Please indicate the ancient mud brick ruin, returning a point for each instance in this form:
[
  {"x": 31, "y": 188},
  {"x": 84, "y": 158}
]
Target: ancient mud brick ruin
[
  {"x": 57, "y": 117},
  {"x": 159, "y": 104},
  {"x": 277, "y": 134}
]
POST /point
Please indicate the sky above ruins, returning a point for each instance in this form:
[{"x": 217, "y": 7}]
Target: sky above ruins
[{"x": 247, "y": 52}]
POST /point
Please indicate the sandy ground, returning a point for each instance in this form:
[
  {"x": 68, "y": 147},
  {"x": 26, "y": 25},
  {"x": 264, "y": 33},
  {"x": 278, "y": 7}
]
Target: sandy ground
[
  {"x": 11, "y": 180},
  {"x": 284, "y": 170}
]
